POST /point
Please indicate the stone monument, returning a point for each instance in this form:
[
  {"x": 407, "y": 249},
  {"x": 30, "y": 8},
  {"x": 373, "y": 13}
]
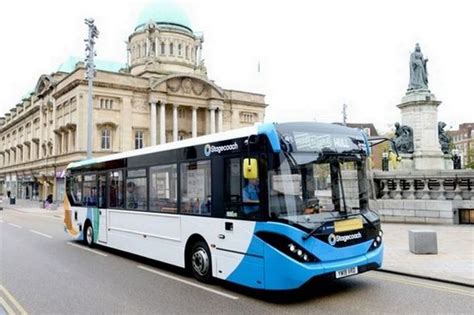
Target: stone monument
[{"x": 419, "y": 109}]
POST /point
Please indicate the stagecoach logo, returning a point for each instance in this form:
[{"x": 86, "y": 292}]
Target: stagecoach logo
[
  {"x": 209, "y": 149},
  {"x": 333, "y": 239}
]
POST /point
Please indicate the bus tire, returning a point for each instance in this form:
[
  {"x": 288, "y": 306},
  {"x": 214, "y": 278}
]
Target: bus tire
[
  {"x": 89, "y": 235},
  {"x": 200, "y": 262}
]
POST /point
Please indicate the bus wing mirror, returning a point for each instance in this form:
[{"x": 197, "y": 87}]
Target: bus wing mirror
[{"x": 250, "y": 169}]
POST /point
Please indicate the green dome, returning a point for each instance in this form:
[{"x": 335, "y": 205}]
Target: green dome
[{"x": 163, "y": 12}]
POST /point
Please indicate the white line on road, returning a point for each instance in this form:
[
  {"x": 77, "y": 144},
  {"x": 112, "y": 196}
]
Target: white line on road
[
  {"x": 88, "y": 249},
  {"x": 15, "y": 225},
  {"x": 189, "y": 283},
  {"x": 420, "y": 284},
  {"x": 42, "y": 234},
  {"x": 12, "y": 299}
]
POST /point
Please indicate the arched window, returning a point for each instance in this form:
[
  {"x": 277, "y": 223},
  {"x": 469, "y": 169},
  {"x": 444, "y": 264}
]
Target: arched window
[
  {"x": 171, "y": 49},
  {"x": 106, "y": 140},
  {"x": 162, "y": 48}
]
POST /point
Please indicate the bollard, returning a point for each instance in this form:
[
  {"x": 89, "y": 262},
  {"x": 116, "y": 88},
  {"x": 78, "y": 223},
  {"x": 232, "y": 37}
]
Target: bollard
[{"x": 423, "y": 242}]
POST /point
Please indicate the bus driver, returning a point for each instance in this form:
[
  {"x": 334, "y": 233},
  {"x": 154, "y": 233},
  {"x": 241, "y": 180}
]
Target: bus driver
[{"x": 250, "y": 196}]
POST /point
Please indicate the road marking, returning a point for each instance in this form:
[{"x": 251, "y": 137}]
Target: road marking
[
  {"x": 6, "y": 307},
  {"x": 12, "y": 299},
  {"x": 15, "y": 225},
  {"x": 423, "y": 285},
  {"x": 42, "y": 234},
  {"x": 87, "y": 249},
  {"x": 232, "y": 297}
]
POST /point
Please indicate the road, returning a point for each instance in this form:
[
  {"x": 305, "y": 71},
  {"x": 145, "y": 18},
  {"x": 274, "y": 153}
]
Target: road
[{"x": 43, "y": 272}]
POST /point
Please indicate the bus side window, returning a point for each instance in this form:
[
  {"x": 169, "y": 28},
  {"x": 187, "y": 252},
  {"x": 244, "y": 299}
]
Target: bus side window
[
  {"x": 89, "y": 197},
  {"x": 74, "y": 190},
  {"x": 116, "y": 195},
  {"x": 163, "y": 188},
  {"x": 196, "y": 196}
]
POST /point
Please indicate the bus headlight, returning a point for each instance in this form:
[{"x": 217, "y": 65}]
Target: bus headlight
[{"x": 288, "y": 247}]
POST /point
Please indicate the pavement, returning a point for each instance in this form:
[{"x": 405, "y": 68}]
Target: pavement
[{"x": 454, "y": 262}]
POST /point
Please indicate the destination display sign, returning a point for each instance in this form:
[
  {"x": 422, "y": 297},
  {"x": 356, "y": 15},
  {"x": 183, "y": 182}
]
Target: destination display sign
[{"x": 317, "y": 142}]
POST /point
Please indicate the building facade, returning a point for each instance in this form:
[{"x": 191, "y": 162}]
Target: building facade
[
  {"x": 161, "y": 94},
  {"x": 463, "y": 141}
]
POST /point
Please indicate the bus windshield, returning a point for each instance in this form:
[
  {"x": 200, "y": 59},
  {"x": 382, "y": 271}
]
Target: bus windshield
[{"x": 308, "y": 189}]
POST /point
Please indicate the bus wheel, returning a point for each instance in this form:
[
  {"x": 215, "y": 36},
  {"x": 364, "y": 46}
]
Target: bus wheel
[
  {"x": 200, "y": 262},
  {"x": 89, "y": 235}
]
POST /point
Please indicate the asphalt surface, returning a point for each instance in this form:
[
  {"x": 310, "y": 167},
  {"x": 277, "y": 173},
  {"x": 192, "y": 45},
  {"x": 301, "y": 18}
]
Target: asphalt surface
[{"x": 43, "y": 272}]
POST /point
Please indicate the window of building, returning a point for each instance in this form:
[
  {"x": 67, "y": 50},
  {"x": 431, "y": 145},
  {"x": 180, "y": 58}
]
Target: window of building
[
  {"x": 89, "y": 190},
  {"x": 105, "y": 103},
  {"x": 105, "y": 139},
  {"x": 179, "y": 50},
  {"x": 163, "y": 188},
  {"x": 116, "y": 195},
  {"x": 248, "y": 117},
  {"x": 139, "y": 140},
  {"x": 143, "y": 50},
  {"x": 171, "y": 49},
  {"x": 162, "y": 48},
  {"x": 136, "y": 190},
  {"x": 181, "y": 113},
  {"x": 196, "y": 188}
]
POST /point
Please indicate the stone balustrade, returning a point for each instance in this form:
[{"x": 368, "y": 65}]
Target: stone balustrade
[
  {"x": 425, "y": 185},
  {"x": 423, "y": 196}
]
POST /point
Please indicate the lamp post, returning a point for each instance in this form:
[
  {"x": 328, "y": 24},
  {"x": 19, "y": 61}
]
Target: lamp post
[{"x": 90, "y": 74}]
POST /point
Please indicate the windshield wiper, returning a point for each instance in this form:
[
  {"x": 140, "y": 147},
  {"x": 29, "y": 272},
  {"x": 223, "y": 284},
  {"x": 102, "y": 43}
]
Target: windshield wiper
[{"x": 313, "y": 231}]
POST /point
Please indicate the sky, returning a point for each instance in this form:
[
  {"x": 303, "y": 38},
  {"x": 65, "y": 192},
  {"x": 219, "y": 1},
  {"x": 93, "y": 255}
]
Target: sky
[{"x": 314, "y": 55}]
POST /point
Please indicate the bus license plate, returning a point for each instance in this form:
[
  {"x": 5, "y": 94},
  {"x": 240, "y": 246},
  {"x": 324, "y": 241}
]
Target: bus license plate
[{"x": 346, "y": 272}]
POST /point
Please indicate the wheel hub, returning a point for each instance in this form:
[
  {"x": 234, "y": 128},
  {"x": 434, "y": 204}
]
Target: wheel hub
[
  {"x": 200, "y": 261},
  {"x": 89, "y": 235}
]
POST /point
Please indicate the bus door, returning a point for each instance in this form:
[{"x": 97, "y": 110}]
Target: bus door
[
  {"x": 237, "y": 229},
  {"x": 102, "y": 205}
]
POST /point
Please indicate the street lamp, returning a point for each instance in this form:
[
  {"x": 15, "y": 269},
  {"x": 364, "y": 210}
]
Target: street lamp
[{"x": 90, "y": 75}]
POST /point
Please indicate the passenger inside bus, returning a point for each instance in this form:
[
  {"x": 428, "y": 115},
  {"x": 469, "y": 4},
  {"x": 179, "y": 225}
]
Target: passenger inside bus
[
  {"x": 251, "y": 197},
  {"x": 132, "y": 199}
]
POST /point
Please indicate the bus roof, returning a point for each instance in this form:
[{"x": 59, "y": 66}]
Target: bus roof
[{"x": 269, "y": 129}]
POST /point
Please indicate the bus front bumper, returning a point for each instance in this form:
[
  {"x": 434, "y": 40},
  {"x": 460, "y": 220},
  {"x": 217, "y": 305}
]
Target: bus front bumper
[{"x": 283, "y": 273}]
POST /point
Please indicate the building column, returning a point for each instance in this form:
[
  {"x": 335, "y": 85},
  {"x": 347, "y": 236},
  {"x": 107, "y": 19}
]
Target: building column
[
  {"x": 212, "y": 120},
  {"x": 70, "y": 140},
  {"x": 153, "y": 123},
  {"x": 40, "y": 136},
  {"x": 219, "y": 119},
  {"x": 194, "y": 122},
  {"x": 162, "y": 122},
  {"x": 175, "y": 122}
]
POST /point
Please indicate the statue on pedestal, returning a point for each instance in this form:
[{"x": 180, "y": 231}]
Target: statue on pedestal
[
  {"x": 444, "y": 138},
  {"x": 418, "y": 71},
  {"x": 403, "y": 139}
]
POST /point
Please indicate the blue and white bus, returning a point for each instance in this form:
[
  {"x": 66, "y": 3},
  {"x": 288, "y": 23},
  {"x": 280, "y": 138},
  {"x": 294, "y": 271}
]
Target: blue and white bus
[{"x": 271, "y": 206}]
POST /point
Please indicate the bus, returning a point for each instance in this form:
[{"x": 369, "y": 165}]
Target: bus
[{"x": 270, "y": 207}]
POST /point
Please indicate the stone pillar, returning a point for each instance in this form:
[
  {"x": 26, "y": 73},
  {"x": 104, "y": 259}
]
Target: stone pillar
[
  {"x": 194, "y": 122},
  {"x": 419, "y": 110},
  {"x": 162, "y": 122},
  {"x": 219, "y": 119},
  {"x": 153, "y": 123},
  {"x": 40, "y": 136},
  {"x": 70, "y": 140},
  {"x": 175, "y": 122},
  {"x": 212, "y": 120}
]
